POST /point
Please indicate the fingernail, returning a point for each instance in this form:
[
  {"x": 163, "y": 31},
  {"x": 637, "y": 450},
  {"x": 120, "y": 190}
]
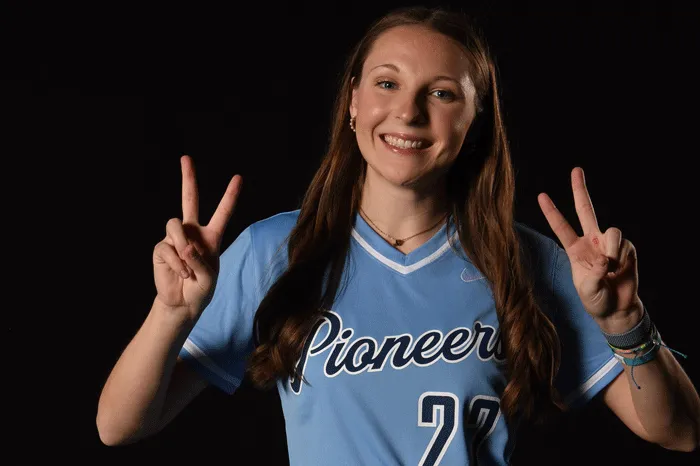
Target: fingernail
[{"x": 184, "y": 274}]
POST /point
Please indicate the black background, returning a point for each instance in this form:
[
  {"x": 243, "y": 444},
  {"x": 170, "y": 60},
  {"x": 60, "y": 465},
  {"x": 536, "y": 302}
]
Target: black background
[{"x": 100, "y": 101}]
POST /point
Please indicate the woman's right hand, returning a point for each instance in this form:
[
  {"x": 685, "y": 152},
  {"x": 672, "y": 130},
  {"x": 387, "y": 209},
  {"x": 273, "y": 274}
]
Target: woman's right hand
[{"x": 186, "y": 261}]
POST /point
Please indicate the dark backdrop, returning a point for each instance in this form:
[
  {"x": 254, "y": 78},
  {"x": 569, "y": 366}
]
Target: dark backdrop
[{"x": 102, "y": 100}]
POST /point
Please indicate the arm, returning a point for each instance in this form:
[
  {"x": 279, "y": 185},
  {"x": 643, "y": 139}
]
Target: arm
[
  {"x": 148, "y": 385},
  {"x": 604, "y": 272},
  {"x": 666, "y": 409}
]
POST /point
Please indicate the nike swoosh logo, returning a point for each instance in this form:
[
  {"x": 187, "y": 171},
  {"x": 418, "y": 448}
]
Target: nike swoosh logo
[{"x": 468, "y": 276}]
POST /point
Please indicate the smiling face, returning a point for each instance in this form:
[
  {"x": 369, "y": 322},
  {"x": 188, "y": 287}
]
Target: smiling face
[{"x": 413, "y": 106}]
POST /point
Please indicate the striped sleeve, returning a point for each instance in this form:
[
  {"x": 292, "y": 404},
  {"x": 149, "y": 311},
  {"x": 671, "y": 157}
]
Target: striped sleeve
[
  {"x": 587, "y": 364},
  {"x": 221, "y": 340}
]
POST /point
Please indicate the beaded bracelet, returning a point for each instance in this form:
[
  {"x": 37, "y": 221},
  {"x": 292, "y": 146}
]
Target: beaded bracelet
[
  {"x": 654, "y": 341},
  {"x": 633, "y": 350},
  {"x": 638, "y": 360},
  {"x": 653, "y": 334}
]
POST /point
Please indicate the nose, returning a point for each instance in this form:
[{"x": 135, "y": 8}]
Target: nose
[{"x": 409, "y": 109}]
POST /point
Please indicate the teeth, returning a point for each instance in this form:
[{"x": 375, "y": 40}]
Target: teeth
[{"x": 402, "y": 143}]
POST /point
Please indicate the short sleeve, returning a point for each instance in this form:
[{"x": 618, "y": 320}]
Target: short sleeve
[
  {"x": 221, "y": 340},
  {"x": 587, "y": 363}
]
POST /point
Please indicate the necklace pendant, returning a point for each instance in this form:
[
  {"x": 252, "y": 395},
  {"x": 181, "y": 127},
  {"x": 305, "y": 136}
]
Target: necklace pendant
[{"x": 398, "y": 242}]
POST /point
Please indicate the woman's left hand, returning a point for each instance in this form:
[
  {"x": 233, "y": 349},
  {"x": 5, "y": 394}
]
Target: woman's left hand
[{"x": 603, "y": 265}]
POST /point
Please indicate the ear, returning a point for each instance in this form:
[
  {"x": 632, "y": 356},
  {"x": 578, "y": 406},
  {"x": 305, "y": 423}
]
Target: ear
[{"x": 353, "y": 99}]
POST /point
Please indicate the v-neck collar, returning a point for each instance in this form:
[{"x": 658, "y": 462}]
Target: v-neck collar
[{"x": 382, "y": 251}]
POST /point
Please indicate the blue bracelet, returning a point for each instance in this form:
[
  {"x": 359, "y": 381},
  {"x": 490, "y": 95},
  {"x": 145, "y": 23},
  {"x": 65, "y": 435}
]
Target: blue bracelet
[
  {"x": 632, "y": 338},
  {"x": 638, "y": 361}
]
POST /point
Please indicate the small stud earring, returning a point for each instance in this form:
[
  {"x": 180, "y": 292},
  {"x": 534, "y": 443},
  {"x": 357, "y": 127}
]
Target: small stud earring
[{"x": 352, "y": 124}]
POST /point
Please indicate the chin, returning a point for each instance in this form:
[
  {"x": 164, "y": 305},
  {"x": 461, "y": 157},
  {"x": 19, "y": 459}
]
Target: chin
[
  {"x": 399, "y": 171},
  {"x": 401, "y": 178}
]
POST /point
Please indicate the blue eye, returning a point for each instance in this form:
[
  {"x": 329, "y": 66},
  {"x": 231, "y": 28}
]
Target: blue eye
[
  {"x": 381, "y": 84},
  {"x": 447, "y": 95}
]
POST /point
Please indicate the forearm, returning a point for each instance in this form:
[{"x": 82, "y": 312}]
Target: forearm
[
  {"x": 664, "y": 398},
  {"x": 133, "y": 395},
  {"x": 666, "y": 402}
]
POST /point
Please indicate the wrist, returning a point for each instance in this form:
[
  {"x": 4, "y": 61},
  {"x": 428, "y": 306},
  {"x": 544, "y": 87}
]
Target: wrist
[
  {"x": 622, "y": 321},
  {"x": 625, "y": 336},
  {"x": 173, "y": 316}
]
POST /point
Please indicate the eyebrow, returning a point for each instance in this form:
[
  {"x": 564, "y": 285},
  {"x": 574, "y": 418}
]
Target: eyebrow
[{"x": 396, "y": 68}]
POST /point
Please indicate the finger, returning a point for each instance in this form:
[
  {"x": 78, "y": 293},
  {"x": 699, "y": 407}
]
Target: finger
[
  {"x": 627, "y": 264},
  {"x": 557, "y": 222},
  {"x": 176, "y": 233},
  {"x": 226, "y": 206},
  {"x": 190, "y": 195},
  {"x": 164, "y": 253},
  {"x": 613, "y": 241},
  {"x": 168, "y": 240},
  {"x": 627, "y": 254},
  {"x": 584, "y": 207}
]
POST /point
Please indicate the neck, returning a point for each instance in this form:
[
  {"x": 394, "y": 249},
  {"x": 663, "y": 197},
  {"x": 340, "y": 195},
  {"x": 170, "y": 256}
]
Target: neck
[{"x": 402, "y": 212}]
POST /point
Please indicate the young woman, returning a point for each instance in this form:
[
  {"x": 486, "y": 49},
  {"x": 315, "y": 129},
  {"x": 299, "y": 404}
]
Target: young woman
[{"x": 402, "y": 313}]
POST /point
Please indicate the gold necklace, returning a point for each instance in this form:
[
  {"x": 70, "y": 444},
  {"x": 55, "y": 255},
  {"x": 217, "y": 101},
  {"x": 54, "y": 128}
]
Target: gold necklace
[{"x": 399, "y": 242}]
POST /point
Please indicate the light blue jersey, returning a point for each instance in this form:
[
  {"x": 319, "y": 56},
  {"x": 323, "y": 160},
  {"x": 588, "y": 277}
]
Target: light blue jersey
[{"x": 407, "y": 368}]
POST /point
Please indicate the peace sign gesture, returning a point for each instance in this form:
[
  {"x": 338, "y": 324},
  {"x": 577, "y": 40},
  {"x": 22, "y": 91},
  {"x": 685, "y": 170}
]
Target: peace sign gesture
[
  {"x": 186, "y": 261},
  {"x": 603, "y": 265}
]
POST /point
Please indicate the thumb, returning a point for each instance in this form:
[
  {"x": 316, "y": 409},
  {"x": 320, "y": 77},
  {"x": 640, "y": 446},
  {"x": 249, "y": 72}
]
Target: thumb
[
  {"x": 600, "y": 266},
  {"x": 594, "y": 282},
  {"x": 196, "y": 262}
]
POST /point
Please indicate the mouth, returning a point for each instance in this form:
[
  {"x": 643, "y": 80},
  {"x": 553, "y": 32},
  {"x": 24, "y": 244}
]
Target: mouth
[{"x": 405, "y": 144}]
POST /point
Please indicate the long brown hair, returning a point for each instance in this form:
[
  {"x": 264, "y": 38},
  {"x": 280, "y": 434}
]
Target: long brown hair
[{"x": 480, "y": 187}]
